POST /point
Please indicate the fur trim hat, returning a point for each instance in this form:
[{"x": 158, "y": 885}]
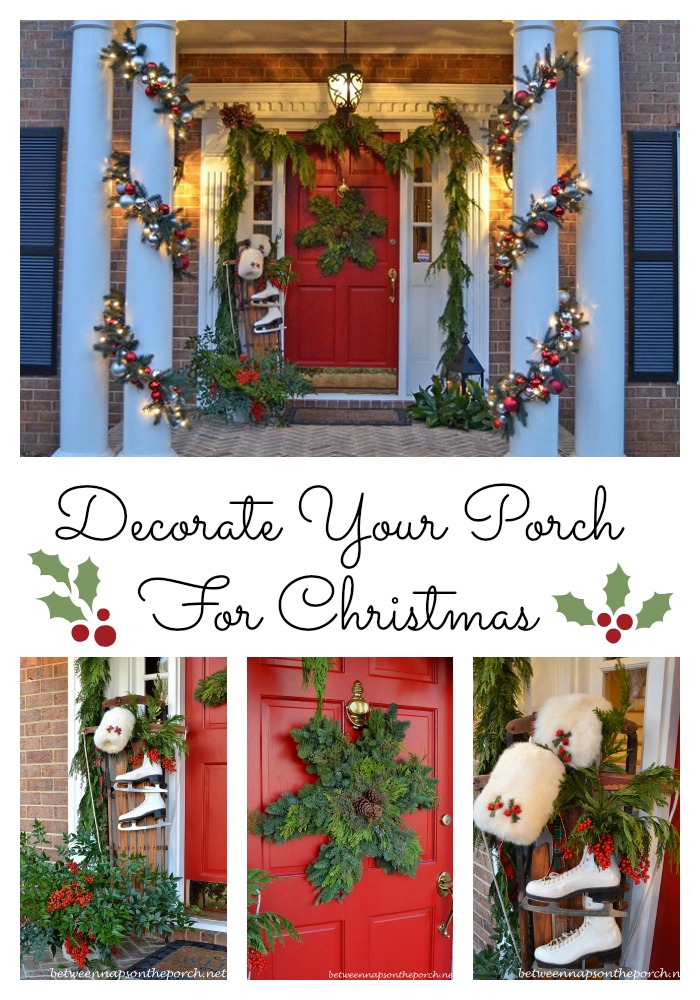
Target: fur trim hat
[
  {"x": 571, "y": 717},
  {"x": 114, "y": 732},
  {"x": 517, "y": 801}
]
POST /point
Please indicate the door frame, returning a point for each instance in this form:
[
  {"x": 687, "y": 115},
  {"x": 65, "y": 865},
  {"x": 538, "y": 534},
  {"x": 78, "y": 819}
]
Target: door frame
[
  {"x": 396, "y": 108},
  {"x": 127, "y": 674}
]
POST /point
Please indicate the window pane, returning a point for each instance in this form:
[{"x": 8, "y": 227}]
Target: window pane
[
  {"x": 263, "y": 171},
  {"x": 422, "y": 244},
  {"x": 422, "y": 204},
  {"x": 262, "y": 201},
  {"x": 422, "y": 168}
]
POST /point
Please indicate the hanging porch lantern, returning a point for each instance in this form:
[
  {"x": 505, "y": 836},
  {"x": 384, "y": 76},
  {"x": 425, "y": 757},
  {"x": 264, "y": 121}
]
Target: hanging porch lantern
[{"x": 345, "y": 84}]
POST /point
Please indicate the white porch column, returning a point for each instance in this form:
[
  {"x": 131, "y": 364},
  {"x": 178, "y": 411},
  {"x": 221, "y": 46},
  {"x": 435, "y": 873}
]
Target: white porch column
[
  {"x": 83, "y": 420},
  {"x": 600, "y": 276},
  {"x": 149, "y": 274},
  {"x": 534, "y": 293}
]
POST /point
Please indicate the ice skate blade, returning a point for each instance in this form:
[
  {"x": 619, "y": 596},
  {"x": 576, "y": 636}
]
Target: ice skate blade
[
  {"x": 152, "y": 779},
  {"x": 151, "y": 790},
  {"x": 130, "y": 827},
  {"x": 614, "y": 955},
  {"x": 552, "y": 908}
]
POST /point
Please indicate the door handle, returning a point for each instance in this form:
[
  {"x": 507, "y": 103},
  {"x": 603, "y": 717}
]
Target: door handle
[
  {"x": 444, "y": 888},
  {"x": 393, "y": 275}
]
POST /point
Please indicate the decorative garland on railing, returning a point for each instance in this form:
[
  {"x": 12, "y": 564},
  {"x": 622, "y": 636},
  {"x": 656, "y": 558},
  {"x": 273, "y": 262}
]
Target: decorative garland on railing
[
  {"x": 544, "y": 377},
  {"x": 162, "y": 226},
  {"x": 448, "y": 131},
  {"x": 117, "y": 341},
  {"x": 512, "y": 111},
  {"x": 515, "y": 242}
]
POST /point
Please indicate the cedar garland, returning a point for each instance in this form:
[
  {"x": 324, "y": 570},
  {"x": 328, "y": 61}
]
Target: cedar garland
[{"x": 93, "y": 674}]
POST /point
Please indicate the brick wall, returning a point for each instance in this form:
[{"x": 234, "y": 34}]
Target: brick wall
[
  {"x": 482, "y": 904},
  {"x": 650, "y": 79},
  {"x": 44, "y": 744}
]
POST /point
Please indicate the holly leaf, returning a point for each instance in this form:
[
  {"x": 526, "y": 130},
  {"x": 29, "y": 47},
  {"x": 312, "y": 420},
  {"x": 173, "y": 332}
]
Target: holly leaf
[
  {"x": 573, "y": 609},
  {"x": 62, "y": 607},
  {"x": 654, "y": 610},
  {"x": 617, "y": 589},
  {"x": 87, "y": 582},
  {"x": 50, "y": 566}
]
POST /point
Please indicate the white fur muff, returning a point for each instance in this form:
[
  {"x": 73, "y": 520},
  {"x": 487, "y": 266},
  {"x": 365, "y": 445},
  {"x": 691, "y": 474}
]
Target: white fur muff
[
  {"x": 574, "y": 714},
  {"x": 115, "y": 729},
  {"x": 528, "y": 775}
]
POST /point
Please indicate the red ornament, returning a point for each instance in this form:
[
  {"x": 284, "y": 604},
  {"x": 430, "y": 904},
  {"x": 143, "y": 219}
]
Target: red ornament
[
  {"x": 520, "y": 380},
  {"x": 502, "y": 139},
  {"x": 541, "y": 225},
  {"x": 544, "y": 392},
  {"x": 508, "y": 238},
  {"x": 554, "y": 360},
  {"x": 154, "y": 384},
  {"x": 556, "y": 190},
  {"x": 147, "y": 370},
  {"x": 156, "y": 395},
  {"x": 180, "y": 234},
  {"x": 565, "y": 178},
  {"x": 556, "y": 386},
  {"x": 550, "y": 83},
  {"x": 165, "y": 209},
  {"x": 558, "y": 210},
  {"x": 174, "y": 110},
  {"x": 131, "y": 357},
  {"x": 506, "y": 123},
  {"x": 508, "y": 282},
  {"x": 183, "y": 262},
  {"x": 151, "y": 65},
  {"x": 497, "y": 424},
  {"x": 521, "y": 96},
  {"x": 129, "y": 188},
  {"x": 151, "y": 90},
  {"x": 498, "y": 267},
  {"x": 511, "y": 404},
  {"x": 534, "y": 382}
]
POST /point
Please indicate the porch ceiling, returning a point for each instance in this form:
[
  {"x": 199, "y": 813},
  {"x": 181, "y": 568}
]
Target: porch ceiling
[{"x": 364, "y": 36}]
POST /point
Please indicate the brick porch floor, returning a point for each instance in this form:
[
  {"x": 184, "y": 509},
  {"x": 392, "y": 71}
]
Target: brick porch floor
[{"x": 215, "y": 438}]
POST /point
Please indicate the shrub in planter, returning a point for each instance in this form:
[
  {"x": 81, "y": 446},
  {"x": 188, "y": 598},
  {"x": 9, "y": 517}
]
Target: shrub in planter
[{"x": 85, "y": 903}]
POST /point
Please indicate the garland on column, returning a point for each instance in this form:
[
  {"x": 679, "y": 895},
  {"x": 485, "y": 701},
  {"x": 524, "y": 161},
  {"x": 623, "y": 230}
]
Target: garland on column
[
  {"x": 512, "y": 111},
  {"x": 544, "y": 377},
  {"x": 117, "y": 341},
  {"x": 93, "y": 674}
]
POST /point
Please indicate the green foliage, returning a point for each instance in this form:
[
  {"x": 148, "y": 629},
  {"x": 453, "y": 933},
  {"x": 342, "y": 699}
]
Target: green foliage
[
  {"x": 315, "y": 668},
  {"x": 232, "y": 203},
  {"x": 441, "y": 405},
  {"x": 498, "y": 684},
  {"x": 627, "y": 814},
  {"x": 93, "y": 677},
  {"x": 343, "y": 230},
  {"x": 211, "y": 690},
  {"x": 117, "y": 898},
  {"x": 227, "y": 383},
  {"x": 344, "y": 772},
  {"x": 265, "y": 929},
  {"x": 166, "y": 739}
]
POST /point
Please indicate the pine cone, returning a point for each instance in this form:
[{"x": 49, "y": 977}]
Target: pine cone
[
  {"x": 374, "y": 797},
  {"x": 236, "y": 115},
  {"x": 370, "y": 810}
]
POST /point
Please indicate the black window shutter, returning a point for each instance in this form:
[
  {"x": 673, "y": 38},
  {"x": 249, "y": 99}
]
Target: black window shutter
[
  {"x": 653, "y": 258},
  {"x": 40, "y": 178}
]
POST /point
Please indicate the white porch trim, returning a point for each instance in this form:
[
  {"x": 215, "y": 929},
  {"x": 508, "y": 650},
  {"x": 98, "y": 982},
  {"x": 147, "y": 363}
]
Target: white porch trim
[{"x": 395, "y": 107}]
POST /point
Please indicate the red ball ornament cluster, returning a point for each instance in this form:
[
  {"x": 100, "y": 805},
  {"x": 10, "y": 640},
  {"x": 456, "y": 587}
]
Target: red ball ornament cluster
[{"x": 544, "y": 378}]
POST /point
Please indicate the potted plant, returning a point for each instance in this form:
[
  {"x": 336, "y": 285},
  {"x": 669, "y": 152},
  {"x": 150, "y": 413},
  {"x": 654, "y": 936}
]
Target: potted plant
[
  {"x": 265, "y": 929},
  {"x": 86, "y": 903}
]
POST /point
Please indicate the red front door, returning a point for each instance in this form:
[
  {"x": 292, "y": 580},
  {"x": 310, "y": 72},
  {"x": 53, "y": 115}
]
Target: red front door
[
  {"x": 205, "y": 782},
  {"x": 348, "y": 320},
  {"x": 388, "y": 923}
]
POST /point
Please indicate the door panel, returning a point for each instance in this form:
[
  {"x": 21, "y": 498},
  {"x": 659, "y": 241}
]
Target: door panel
[
  {"x": 205, "y": 778},
  {"x": 388, "y": 923},
  {"x": 345, "y": 320}
]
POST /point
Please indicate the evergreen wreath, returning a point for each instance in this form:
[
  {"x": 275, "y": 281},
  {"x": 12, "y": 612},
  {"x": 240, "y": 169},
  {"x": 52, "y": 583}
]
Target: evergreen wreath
[
  {"x": 343, "y": 230},
  {"x": 211, "y": 690},
  {"x": 363, "y": 790},
  {"x": 93, "y": 674}
]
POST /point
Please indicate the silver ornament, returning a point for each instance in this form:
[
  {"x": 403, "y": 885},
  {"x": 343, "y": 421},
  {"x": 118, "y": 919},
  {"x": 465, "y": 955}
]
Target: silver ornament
[
  {"x": 529, "y": 392},
  {"x": 137, "y": 63},
  {"x": 576, "y": 335},
  {"x": 139, "y": 202},
  {"x": 564, "y": 297},
  {"x": 567, "y": 336},
  {"x": 163, "y": 80},
  {"x": 126, "y": 201},
  {"x": 548, "y": 202},
  {"x": 117, "y": 369},
  {"x": 503, "y": 261},
  {"x": 571, "y": 189},
  {"x": 533, "y": 86},
  {"x": 121, "y": 188},
  {"x": 145, "y": 78},
  {"x": 524, "y": 121},
  {"x": 175, "y": 99},
  {"x": 519, "y": 247},
  {"x": 186, "y": 117},
  {"x": 501, "y": 408},
  {"x": 184, "y": 244},
  {"x": 130, "y": 47},
  {"x": 153, "y": 239},
  {"x": 565, "y": 317},
  {"x": 545, "y": 370}
]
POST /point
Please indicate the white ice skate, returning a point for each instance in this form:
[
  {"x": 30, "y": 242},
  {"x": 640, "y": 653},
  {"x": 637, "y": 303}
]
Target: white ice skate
[
  {"x": 597, "y": 937},
  {"x": 585, "y": 877},
  {"x": 268, "y": 294},
  {"x": 149, "y": 771},
  {"x": 153, "y": 807},
  {"x": 270, "y": 321}
]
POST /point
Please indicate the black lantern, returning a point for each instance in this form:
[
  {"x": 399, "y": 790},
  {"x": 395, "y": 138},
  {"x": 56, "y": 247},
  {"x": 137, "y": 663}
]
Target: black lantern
[
  {"x": 345, "y": 84},
  {"x": 466, "y": 364}
]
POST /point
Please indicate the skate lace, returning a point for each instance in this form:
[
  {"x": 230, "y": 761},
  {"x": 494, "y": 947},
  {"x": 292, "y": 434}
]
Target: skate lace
[{"x": 566, "y": 937}]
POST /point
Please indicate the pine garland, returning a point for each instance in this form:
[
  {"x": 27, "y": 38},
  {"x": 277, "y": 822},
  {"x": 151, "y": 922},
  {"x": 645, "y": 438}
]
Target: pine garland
[
  {"x": 350, "y": 775},
  {"x": 316, "y": 668},
  {"x": 498, "y": 684},
  {"x": 93, "y": 674},
  {"x": 211, "y": 690}
]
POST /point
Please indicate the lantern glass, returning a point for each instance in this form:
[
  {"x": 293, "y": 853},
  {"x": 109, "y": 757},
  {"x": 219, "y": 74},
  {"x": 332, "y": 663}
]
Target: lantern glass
[{"x": 345, "y": 87}]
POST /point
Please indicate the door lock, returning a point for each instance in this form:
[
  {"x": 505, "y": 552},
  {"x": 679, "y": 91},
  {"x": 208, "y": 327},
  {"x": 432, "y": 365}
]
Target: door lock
[{"x": 444, "y": 888}]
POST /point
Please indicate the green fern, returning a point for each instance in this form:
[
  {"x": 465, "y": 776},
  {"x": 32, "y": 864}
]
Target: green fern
[{"x": 266, "y": 929}]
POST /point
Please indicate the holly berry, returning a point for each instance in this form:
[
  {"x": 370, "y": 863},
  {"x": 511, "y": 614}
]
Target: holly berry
[
  {"x": 103, "y": 614},
  {"x": 612, "y": 635},
  {"x": 499, "y": 805},
  {"x": 565, "y": 741},
  {"x": 507, "y": 812},
  {"x": 105, "y": 635},
  {"x": 604, "y": 619},
  {"x": 560, "y": 732},
  {"x": 490, "y": 806},
  {"x": 624, "y": 622},
  {"x": 517, "y": 809},
  {"x": 566, "y": 758},
  {"x": 80, "y": 632}
]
